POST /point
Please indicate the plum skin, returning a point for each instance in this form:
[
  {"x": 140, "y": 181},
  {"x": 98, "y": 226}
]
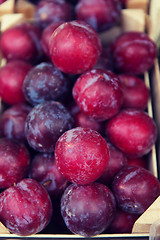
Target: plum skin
[
  {"x": 117, "y": 161},
  {"x": 52, "y": 11},
  {"x": 135, "y": 189},
  {"x": 43, "y": 169},
  {"x": 46, "y": 34},
  {"x": 45, "y": 123},
  {"x": 25, "y": 43},
  {"x": 82, "y": 120},
  {"x": 12, "y": 122},
  {"x": 12, "y": 76},
  {"x": 136, "y": 92},
  {"x": 98, "y": 93},
  {"x": 45, "y": 82},
  {"x": 101, "y": 15},
  {"x": 133, "y": 131},
  {"x": 14, "y": 162},
  {"x": 123, "y": 222},
  {"x": 74, "y": 47},
  {"x": 25, "y": 208},
  {"x": 133, "y": 53},
  {"x": 81, "y": 155},
  {"x": 89, "y": 209}
]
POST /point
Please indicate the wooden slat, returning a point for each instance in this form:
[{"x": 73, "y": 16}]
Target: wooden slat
[{"x": 138, "y": 4}]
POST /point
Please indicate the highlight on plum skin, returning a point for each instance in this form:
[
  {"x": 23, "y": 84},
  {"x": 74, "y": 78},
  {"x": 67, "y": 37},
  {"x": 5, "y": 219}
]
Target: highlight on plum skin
[
  {"x": 109, "y": 99},
  {"x": 81, "y": 155},
  {"x": 75, "y": 47},
  {"x": 89, "y": 209},
  {"x": 25, "y": 208}
]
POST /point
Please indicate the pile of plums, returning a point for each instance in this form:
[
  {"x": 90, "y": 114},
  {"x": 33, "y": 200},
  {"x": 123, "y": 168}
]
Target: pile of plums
[{"x": 75, "y": 134}]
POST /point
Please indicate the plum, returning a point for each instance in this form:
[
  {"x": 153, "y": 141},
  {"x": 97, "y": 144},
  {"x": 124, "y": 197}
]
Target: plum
[
  {"x": 98, "y": 93},
  {"x": 123, "y": 222},
  {"x": 50, "y": 11},
  {"x": 45, "y": 82},
  {"x": 82, "y": 120},
  {"x": 25, "y": 208},
  {"x": 2, "y": 1},
  {"x": 88, "y": 210},
  {"x": 105, "y": 60},
  {"x": 12, "y": 122},
  {"x": 135, "y": 189},
  {"x": 101, "y": 15},
  {"x": 75, "y": 47},
  {"x": 81, "y": 155},
  {"x": 43, "y": 169},
  {"x": 14, "y": 162},
  {"x": 139, "y": 161},
  {"x": 46, "y": 34},
  {"x": 133, "y": 131},
  {"x": 117, "y": 161},
  {"x": 133, "y": 53},
  {"x": 45, "y": 123},
  {"x": 136, "y": 92},
  {"x": 11, "y": 80},
  {"x": 22, "y": 42}
]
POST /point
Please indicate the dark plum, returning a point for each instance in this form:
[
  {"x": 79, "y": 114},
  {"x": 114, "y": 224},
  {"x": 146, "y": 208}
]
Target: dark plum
[
  {"x": 101, "y": 15},
  {"x": 75, "y": 47},
  {"x": 88, "y": 210},
  {"x": 74, "y": 2},
  {"x": 11, "y": 80},
  {"x": 45, "y": 82},
  {"x": 105, "y": 60},
  {"x": 12, "y": 122},
  {"x": 136, "y": 92},
  {"x": 135, "y": 189},
  {"x": 43, "y": 169},
  {"x": 133, "y": 131},
  {"x": 133, "y": 53},
  {"x": 45, "y": 123},
  {"x": 99, "y": 94},
  {"x": 123, "y": 222},
  {"x": 14, "y": 162},
  {"x": 25, "y": 208},
  {"x": 46, "y": 34},
  {"x": 139, "y": 161},
  {"x": 22, "y": 42},
  {"x": 117, "y": 161},
  {"x": 82, "y": 120},
  {"x": 81, "y": 155},
  {"x": 49, "y": 11}
]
